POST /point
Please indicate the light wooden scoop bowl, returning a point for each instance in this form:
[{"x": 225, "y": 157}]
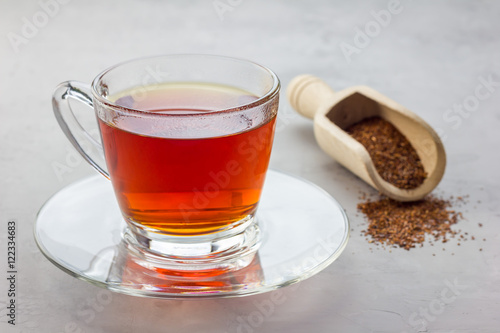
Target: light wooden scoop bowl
[{"x": 333, "y": 112}]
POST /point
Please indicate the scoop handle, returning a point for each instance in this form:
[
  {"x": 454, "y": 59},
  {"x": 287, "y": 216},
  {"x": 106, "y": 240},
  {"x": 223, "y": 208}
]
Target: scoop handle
[{"x": 306, "y": 93}]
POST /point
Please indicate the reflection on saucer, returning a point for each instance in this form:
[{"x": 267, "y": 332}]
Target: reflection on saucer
[{"x": 130, "y": 271}]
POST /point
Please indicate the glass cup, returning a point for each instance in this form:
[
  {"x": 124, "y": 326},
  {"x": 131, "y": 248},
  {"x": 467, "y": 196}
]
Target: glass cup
[{"x": 185, "y": 141}]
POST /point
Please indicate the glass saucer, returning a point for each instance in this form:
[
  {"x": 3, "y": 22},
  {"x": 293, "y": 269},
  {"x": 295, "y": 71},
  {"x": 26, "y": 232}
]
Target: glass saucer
[{"x": 303, "y": 228}]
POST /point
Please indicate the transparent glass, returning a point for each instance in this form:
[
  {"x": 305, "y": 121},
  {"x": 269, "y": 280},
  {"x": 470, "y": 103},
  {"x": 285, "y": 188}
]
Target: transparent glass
[
  {"x": 303, "y": 231},
  {"x": 187, "y": 174}
]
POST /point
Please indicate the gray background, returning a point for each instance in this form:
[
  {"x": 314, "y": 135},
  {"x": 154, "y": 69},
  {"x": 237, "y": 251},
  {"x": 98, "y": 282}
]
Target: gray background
[{"x": 430, "y": 57}]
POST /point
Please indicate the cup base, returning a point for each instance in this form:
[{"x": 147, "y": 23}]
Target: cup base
[{"x": 228, "y": 250}]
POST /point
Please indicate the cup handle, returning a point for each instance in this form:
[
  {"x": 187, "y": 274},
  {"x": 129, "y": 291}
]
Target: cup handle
[{"x": 70, "y": 125}]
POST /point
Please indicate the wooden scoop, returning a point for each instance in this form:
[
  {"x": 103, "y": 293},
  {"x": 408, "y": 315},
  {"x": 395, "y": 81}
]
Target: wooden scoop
[{"x": 334, "y": 112}]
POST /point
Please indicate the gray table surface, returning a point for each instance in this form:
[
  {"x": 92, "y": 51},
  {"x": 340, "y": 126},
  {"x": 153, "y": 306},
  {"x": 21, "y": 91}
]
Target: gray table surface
[{"x": 431, "y": 57}]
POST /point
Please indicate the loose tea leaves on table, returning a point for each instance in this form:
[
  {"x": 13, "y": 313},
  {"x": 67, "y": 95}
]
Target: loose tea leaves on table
[
  {"x": 406, "y": 224},
  {"x": 394, "y": 157}
]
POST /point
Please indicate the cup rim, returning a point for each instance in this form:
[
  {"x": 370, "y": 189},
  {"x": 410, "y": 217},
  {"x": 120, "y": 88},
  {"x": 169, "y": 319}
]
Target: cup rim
[{"x": 269, "y": 95}]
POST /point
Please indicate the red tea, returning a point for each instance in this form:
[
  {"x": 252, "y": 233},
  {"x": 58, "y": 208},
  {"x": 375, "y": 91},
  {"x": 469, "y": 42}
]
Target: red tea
[{"x": 195, "y": 184}]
